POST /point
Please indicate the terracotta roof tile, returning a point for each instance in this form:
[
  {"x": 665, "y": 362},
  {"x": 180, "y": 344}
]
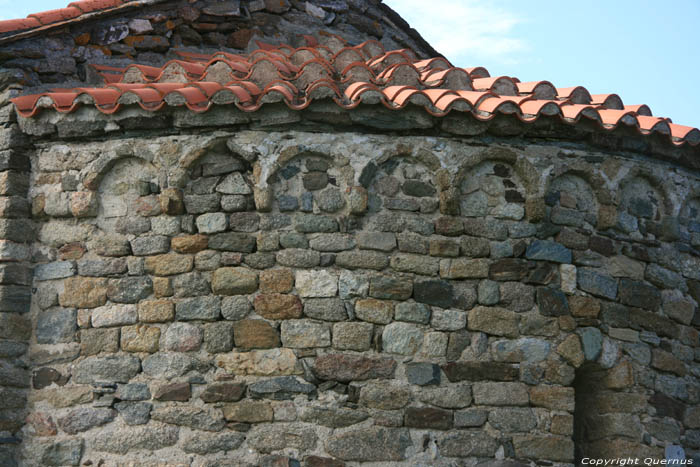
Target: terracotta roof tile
[{"x": 350, "y": 75}]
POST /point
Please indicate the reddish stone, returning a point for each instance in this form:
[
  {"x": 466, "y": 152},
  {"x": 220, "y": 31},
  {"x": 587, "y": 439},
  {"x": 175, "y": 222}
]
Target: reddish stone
[
  {"x": 346, "y": 368},
  {"x": 42, "y": 424},
  {"x": 189, "y": 243},
  {"x": 223, "y": 392},
  {"x": 173, "y": 392},
  {"x": 255, "y": 334},
  {"x": 277, "y": 306},
  {"x": 71, "y": 251}
]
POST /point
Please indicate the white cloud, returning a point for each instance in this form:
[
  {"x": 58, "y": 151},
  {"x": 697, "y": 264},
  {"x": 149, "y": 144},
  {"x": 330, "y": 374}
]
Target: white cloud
[{"x": 465, "y": 31}]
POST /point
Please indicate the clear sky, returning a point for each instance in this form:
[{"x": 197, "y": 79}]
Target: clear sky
[{"x": 646, "y": 51}]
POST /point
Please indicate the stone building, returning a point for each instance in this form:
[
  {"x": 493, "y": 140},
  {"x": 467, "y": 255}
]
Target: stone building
[{"x": 283, "y": 233}]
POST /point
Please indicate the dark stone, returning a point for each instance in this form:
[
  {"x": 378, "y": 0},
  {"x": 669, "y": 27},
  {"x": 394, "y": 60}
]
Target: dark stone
[
  {"x": 653, "y": 322},
  {"x": 46, "y": 376},
  {"x": 230, "y": 241},
  {"x": 552, "y": 198},
  {"x": 458, "y": 341},
  {"x": 667, "y": 406},
  {"x": 639, "y": 294},
  {"x": 597, "y": 284},
  {"x": 615, "y": 315},
  {"x": 288, "y": 203},
  {"x": 244, "y": 222},
  {"x": 307, "y": 201},
  {"x": 316, "y": 461},
  {"x": 15, "y": 298},
  {"x": 276, "y": 460},
  {"x": 602, "y": 245},
  {"x": 288, "y": 171},
  {"x": 280, "y": 388},
  {"x": 223, "y": 392},
  {"x": 548, "y": 251},
  {"x": 173, "y": 392},
  {"x": 428, "y": 417},
  {"x": 480, "y": 371},
  {"x": 350, "y": 367},
  {"x": 423, "y": 373},
  {"x": 310, "y": 223},
  {"x": 487, "y": 228},
  {"x": 508, "y": 269},
  {"x": 449, "y": 226},
  {"x": 417, "y": 188},
  {"x": 513, "y": 196},
  {"x": 641, "y": 208},
  {"x": 543, "y": 274},
  {"x": 552, "y": 302},
  {"x": 129, "y": 289},
  {"x": 315, "y": 180},
  {"x": 434, "y": 292},
  {"x": 390, "y": 287},
  {"x": 368, "y": 174},
  {"x": 15, "y": 274}
]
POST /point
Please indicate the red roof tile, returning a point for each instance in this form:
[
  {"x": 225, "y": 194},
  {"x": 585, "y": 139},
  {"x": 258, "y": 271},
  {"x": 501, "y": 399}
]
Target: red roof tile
[{"x": 350, "y": 75}]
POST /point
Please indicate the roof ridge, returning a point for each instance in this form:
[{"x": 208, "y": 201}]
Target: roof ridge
[{"x": 394, "y": 78}]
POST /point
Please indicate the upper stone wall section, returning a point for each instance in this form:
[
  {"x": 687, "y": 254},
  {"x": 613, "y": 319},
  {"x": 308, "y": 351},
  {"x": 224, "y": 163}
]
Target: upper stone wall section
[{"x": 149, "y": 32}]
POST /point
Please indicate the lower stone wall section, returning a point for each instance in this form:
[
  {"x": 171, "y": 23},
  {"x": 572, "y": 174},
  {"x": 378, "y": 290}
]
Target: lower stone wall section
[{"x": 204, "y": 303}]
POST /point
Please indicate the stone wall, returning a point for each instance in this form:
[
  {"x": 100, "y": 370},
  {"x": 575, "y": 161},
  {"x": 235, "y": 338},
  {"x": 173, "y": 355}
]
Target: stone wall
[
  {"x": 16, "y": 233},
  {"x": 221, "y": 298}
]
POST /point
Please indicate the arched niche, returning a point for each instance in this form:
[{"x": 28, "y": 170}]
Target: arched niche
[
  {"x": 402, "y": 183},
  {"x": 128, "y": 192},
  {"x": 309, "y": 181},
  {"x": 492, "y": 188},
  {"x": 644, "y": 200},
  {"x": 572, "y": 200}
]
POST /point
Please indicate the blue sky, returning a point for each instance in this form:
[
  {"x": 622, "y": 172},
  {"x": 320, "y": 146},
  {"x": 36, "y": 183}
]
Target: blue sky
[{"x": 644, "y": 50}]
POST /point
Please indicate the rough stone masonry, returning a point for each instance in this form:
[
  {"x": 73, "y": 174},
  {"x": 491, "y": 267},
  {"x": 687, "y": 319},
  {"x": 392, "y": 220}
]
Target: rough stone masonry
[{"x": 329, "y": 287}]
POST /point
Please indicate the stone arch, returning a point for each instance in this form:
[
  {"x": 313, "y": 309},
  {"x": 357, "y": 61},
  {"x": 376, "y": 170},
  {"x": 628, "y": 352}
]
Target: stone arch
[
  {"x": 93, "y": 174},
  {"x": 403, "y": 182},
  {"x": 591, "y": 176},
  {"x": 572, "y": 199},
  {"x": 521, "y": 166},
  {"x": 689, "y": 212},
  {"x": 307, "y": 181},
  {"x": 492, "y": 188},
  {"x": 128, "y": 191},
  {"x": 663, "y": 188},
  {"x": 641, "y": 203}
]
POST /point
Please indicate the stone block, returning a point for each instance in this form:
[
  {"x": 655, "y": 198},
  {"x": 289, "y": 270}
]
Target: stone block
[
  {"x": 56, "y": 325},
  {"x": 490, "y": 393},
  {"x": 493, "y": 320},
  {"x": 352, "y": 336},
  {"x": 374, "y": 311},
  {"x": 234, "y": 281},
  {"x": 255, "y": 334},
  {"x": 317, "y": 283},
  {"x": 278, "y": 306},
  {"x": 276, "y": 281},
  {"x": 114, "y": 315},
  {"x": 140, "y": 338},
  {"x": 390, "y": 287},
  {"x": 302, "y": 333},
  {"x": 198, "y": 308}
]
